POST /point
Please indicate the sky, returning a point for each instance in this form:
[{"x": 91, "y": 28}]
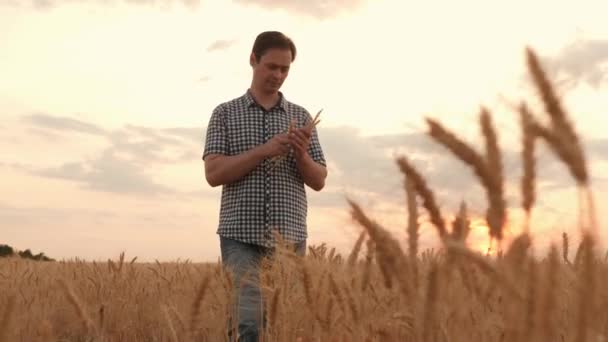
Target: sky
[{"x": 104, "y": 106}]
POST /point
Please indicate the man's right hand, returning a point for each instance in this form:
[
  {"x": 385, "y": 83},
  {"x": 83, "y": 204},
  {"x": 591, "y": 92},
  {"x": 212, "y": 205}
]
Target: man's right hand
[
  {"x": 277, "y": 146},
  {"x": 221, "y": 169}
]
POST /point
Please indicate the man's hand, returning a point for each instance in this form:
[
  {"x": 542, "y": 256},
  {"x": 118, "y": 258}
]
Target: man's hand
[
  {"x": 221, "y": 169},
  {"x": 277, "y": 146},
  {"x": 299, "y": 139}
]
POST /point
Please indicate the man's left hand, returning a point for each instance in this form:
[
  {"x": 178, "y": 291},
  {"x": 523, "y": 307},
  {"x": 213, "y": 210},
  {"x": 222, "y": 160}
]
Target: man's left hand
[{"x": 299, "y": 139}]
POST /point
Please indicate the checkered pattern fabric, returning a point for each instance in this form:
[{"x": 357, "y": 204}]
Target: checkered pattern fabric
[{"x": 263, "y": 200}]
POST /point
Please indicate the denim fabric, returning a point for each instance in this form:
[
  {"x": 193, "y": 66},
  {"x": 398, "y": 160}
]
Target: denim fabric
[{"x": 243, "y": 261}]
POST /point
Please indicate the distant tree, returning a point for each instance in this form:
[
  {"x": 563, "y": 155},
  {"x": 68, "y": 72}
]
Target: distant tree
[
  {"x": 42, "y": 257},
  {"x": 6, "y": 250},
  {"x": 26, "y": 254}
]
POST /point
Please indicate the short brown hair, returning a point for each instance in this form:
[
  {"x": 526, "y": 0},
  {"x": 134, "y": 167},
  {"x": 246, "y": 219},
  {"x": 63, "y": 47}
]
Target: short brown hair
[{"x": 272, "y": 40}]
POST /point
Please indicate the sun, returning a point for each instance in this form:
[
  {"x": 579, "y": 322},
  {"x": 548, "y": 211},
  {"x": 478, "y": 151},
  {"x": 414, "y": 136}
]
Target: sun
[{"x": 479, "y": 236}]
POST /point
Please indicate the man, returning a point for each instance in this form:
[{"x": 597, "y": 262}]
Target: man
[{"x": 263, "y": 171}]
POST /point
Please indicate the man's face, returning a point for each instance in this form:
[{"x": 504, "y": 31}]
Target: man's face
[{"x": 271, "y": 70}]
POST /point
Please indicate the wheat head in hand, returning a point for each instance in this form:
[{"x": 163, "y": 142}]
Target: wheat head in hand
[{"x": 310, "y": 125}]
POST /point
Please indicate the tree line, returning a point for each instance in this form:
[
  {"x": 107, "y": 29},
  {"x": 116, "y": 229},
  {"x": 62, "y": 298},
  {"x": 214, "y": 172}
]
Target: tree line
[{"x": 6, "y": 251}]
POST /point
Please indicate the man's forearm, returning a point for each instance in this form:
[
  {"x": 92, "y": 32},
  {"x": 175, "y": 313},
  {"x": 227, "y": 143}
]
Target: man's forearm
[
  {"x": 220, "y": 170},
  {"x": 313, "y": 173}
]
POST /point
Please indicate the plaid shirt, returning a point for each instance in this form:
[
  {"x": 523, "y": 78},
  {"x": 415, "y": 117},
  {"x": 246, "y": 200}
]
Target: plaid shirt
[{"x": 263, "y": 200}]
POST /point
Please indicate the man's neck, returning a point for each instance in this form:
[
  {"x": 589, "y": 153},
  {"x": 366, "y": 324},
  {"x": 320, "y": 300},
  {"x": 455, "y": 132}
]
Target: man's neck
[{"x": 266, "y": 100}]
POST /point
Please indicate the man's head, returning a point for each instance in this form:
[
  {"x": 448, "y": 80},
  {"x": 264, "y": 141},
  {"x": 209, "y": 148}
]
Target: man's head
[{"x": 271, "y": 57}]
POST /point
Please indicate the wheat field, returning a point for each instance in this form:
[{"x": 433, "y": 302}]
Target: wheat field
[{"x": 380, "y": 291}]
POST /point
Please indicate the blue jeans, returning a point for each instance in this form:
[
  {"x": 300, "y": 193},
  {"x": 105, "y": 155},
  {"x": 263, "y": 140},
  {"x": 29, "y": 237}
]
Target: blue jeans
[{"x": 243, "y": 261}]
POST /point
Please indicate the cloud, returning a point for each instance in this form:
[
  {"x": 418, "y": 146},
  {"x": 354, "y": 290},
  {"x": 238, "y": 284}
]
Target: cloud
[
  {"x": 143, "y": 142},
  {"x": 219, "y": 45},
  {"x": 121, "y": 166},
  {"x": 50, "y": 4},
  {"x": 21, "y": 216},
  {"x": 583, "y": 61},
  {"x": 358, "y": 163},
  {"x": 59, "y": 123},
  {"x": 109, "y": 173},
  {"x": 598, "y": 148},
  {"x": 42, "y": 4},
  {"x": 191, "y": 134},
  {"x": 554, "y": 175},
  {"x": 149, "y": 146},
  {"x": 368, "y": 162},
  {"x": 366, "y": 165},
  {"x": 320, "y": 9}
]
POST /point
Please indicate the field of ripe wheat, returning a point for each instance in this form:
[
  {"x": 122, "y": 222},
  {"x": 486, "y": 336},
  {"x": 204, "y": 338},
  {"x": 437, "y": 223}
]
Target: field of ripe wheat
[{"x": 380, "y": 291}]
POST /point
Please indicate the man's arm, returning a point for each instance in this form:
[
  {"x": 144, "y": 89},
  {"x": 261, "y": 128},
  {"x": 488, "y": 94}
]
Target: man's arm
[
  {"x": 221, "y": 169},
  {"x": 313, "y": 173}
]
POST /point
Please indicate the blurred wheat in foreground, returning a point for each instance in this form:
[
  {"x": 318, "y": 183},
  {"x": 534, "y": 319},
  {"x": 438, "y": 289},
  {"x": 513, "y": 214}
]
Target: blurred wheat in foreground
[{"x": 380, "y": 292}]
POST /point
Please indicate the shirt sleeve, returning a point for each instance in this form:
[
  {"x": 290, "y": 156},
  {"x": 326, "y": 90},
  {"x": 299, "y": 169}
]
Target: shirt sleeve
[
  {"x": 216, "y": 139},
  {"x": 314, "y": 149}
]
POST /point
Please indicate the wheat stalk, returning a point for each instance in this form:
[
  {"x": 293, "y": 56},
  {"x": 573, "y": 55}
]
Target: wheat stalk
[
  {"x": 77, "y": 305},
  {"x": 308, "y": 126},
  {"x": 461, "y": 225},
  {"x": 487, "y": 174},
  {"x": 565, "y": 248},
  {"x": 550, "y": 305},
  {"x": 516, "y": 255},
  {"x": 274, "y": 307},
  {"x": 586, "y": 302},
  {"x": 369, "y": 257},
  {"x": 196, "y": 306},
  {"x": 412, "y": 228},
  {"x": 562, "y": 138},
  {"x": 563, "y": 150},
  {"x": 412, "y": 222},
  {"x": 352, "y": 258},
  {"x": 307, "y": 282},
  {"x": 169, "y": 324},
  {"x": 530, "y": 322},
  {"x": 459, "y": 249},
  {"x": 428, "y": 329},
  {"x": 5, "y": 319},
  {"x": 496, "y": 214},
  {"x": 335, "y": 290},
  {"x": 392, "y": 261},
  {"x": 529, "y": 162},
  {"x": 428, "y": 199},
  {"x": 561, "y": 125}
]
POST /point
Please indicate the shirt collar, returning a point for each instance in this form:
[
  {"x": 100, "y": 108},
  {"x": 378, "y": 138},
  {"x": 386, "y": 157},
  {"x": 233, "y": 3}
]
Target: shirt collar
[{"x": 250, "y": 101}]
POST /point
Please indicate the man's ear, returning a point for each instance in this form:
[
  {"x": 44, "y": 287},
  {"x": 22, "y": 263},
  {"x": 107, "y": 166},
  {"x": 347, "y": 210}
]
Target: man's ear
[{"x": 252, "y": 59}]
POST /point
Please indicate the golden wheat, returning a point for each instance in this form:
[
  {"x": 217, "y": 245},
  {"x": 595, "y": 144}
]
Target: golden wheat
[{"x": 528, "y": 161}]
